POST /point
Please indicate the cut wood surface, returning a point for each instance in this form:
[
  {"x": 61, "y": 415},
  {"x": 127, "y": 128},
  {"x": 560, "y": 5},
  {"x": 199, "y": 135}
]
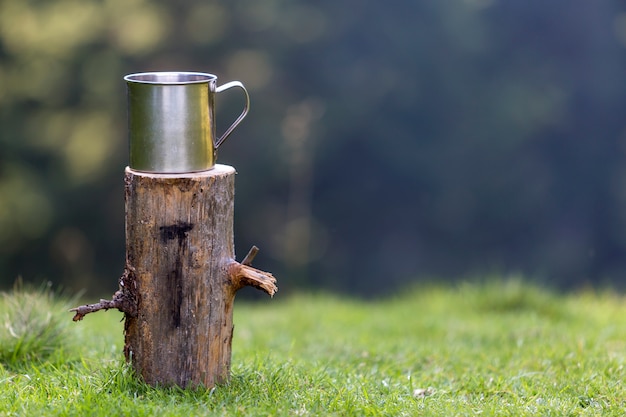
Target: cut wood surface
[{"x": 180, "y": 278}]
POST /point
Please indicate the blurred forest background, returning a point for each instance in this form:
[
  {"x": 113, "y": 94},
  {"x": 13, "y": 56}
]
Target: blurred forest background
[{"x": 387, "y": 142}]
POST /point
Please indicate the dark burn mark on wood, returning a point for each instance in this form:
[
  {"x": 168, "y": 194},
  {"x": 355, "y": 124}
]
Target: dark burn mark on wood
[
  {"x": 175, "y": 277},
  {"x": 176, "y": 231},
  {"x": 175, "y": 284}
]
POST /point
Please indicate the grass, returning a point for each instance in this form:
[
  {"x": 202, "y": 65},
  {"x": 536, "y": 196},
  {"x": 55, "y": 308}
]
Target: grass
[
  {"x": 32, "y": 326},
  {"x": 503, "y": 348}
]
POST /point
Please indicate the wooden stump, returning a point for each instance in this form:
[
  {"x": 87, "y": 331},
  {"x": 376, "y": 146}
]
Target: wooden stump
[{"x": 180, "y": 279}]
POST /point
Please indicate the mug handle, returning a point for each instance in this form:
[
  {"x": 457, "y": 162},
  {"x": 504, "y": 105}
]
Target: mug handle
[{"x": 232, "y": 127}]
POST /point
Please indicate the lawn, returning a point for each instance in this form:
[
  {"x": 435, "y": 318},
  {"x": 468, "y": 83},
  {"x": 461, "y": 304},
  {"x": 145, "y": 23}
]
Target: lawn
[{"x": 503, "y": 348}]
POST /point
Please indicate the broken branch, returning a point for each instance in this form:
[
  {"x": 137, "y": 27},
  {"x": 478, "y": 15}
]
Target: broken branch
[
  {"x": 250, "y": 256},
  {"x": 123, "y": 299},
  {"x": 119, "y": 301},
  {"x": 243, "y": 275}
]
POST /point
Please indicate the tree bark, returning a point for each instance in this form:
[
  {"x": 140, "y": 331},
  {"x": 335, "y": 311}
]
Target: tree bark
[{"x": 180, "y": 278}]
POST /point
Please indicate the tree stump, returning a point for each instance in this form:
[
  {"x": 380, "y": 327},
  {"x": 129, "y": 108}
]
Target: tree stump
[{"x": 180, "y": 279}]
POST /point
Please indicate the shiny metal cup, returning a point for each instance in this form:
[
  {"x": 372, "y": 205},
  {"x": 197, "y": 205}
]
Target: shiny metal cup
[{"x": 171, "y": 121}]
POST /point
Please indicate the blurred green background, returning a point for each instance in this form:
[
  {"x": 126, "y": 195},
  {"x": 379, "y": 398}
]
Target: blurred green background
[{"x": 387, "y": 141}]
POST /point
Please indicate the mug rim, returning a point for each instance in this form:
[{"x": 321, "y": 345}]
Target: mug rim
[{"x": 160, "y": 77}]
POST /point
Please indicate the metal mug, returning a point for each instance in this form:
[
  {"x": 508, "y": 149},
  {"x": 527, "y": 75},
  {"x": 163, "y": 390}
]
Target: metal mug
[{"x": 171, "y": 120}]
